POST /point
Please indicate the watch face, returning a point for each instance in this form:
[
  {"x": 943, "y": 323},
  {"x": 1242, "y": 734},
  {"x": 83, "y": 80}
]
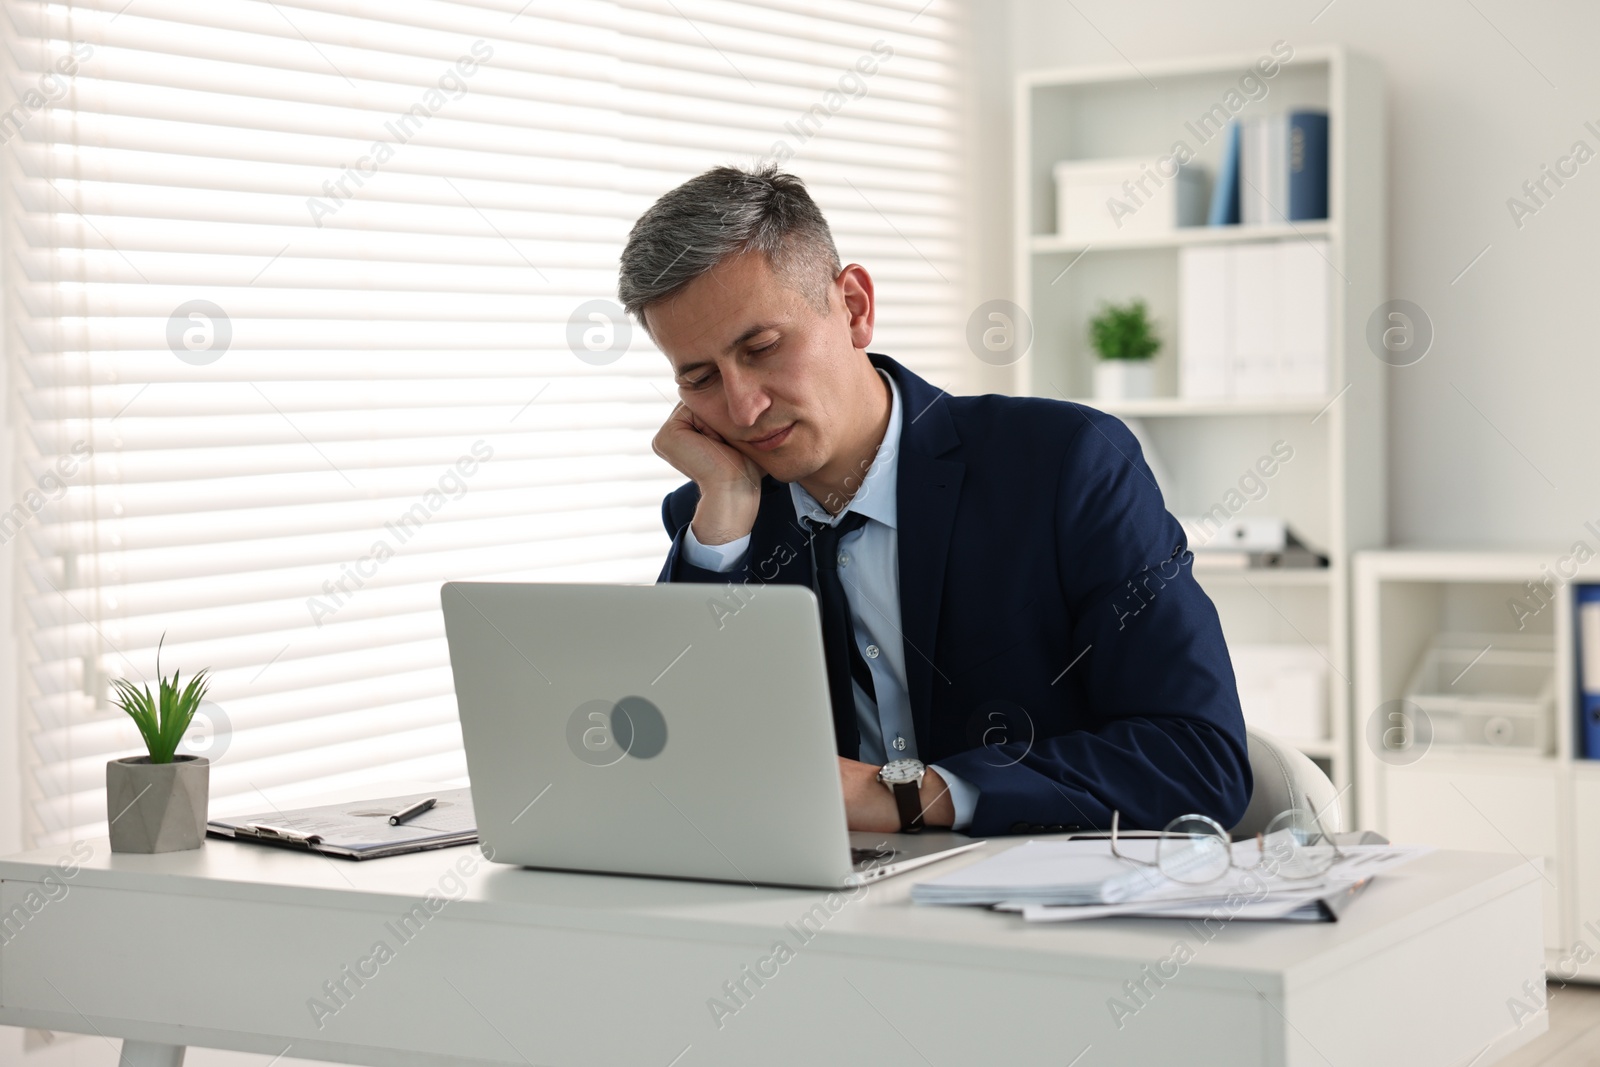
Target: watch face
[{"x": 901, "y": 770}]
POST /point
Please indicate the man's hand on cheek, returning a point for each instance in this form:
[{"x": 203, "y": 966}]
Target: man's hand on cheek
[
  {"x": 729, "y": 481},
  {"x": 870, "y": 806}
]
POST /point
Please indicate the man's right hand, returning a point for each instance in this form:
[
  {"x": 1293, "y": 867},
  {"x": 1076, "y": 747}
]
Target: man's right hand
[{"x": 729, "y": 481}]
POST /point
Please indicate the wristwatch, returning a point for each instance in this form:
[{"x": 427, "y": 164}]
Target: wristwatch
[{"x": 904, "y": 779}]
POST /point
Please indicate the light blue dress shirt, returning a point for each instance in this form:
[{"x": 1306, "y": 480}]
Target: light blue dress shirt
[{"x": 869, "y": 567}]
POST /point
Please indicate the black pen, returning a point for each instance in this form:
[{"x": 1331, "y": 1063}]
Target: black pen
[{"x": 416, "y": 809}]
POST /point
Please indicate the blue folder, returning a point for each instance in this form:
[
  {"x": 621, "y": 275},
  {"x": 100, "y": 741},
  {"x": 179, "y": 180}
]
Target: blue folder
[
  {"x": 1586, "y": 601},
  {"x": 1308, "y": 165}
]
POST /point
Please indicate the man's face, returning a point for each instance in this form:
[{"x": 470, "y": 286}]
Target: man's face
[{"x": 756, "y": 363}]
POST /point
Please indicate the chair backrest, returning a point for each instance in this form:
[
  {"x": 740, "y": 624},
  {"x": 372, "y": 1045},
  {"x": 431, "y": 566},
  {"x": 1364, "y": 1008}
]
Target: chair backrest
[{"x": 1285, "y": 778}]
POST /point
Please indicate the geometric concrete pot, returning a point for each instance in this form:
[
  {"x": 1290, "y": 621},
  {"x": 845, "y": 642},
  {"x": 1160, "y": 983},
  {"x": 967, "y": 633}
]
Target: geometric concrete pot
[{"x": 157, "y": 807}]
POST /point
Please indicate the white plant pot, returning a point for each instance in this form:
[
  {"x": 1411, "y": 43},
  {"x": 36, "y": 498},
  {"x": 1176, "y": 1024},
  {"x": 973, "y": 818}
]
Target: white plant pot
[{"x": 1124, "y": 379}]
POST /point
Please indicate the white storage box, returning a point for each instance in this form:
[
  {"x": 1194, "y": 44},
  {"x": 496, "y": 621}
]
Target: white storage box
[
  {"x": 1283, "y": 689},
  {"x": 1093, "y": 203},
  {"x": 1485, "y": 692}
]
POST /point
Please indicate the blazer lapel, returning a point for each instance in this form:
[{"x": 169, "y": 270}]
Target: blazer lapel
[{"x": 928, "y": 493}]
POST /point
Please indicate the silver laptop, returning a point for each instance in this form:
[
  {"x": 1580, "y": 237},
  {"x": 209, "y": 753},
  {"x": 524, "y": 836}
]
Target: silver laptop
[{"x": 679, "y": 730}]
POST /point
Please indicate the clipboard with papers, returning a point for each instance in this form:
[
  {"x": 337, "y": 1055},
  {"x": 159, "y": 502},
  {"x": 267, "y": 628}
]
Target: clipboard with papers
[{"x": 361, "y": 829}]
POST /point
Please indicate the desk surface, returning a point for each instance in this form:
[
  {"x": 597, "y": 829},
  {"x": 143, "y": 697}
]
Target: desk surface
[
  {"x": 881, "y": 920},
  {"x": 526, "y": 966}
]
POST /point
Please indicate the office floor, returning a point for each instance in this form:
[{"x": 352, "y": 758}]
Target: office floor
[{"x": 1574, "y": 1037}]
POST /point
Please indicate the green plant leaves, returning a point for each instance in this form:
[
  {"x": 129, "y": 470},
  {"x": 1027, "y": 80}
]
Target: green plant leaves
[
  {"x": 1124, "y": 331},
  {"x": 162, "y": 723}
]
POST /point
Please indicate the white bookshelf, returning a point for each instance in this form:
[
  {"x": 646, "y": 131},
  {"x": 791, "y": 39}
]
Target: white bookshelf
[
  {"x": 1544, "y": 807},
  {"x": 1045, "y": 244},
  {"x": 1163, "y": 406},
  {"x": 1333, "y": 491}
]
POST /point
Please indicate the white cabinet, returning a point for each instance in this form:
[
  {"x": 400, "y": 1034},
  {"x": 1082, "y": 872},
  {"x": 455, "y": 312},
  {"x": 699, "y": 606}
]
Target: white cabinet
[
  {"x": 1540, "y": 806},
  {"x": 1583, "y": 948},
  {"x": 1456, "y": 803}
]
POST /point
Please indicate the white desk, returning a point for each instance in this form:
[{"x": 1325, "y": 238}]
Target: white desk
[{"x": 226, "y": 946}]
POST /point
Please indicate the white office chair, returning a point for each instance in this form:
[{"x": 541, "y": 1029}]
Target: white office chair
[{"x": 1285, "y": 778}]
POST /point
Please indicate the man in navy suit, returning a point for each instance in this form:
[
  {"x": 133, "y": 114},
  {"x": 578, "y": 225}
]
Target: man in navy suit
[{"x": 1023, "y": 625}]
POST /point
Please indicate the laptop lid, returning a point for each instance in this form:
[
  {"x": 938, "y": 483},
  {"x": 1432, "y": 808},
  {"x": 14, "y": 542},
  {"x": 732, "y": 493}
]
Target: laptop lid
[{"x": 679, "y": 730}]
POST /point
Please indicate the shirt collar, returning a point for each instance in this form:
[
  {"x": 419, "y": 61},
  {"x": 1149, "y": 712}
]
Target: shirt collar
[{"x": 876, "y": 497}]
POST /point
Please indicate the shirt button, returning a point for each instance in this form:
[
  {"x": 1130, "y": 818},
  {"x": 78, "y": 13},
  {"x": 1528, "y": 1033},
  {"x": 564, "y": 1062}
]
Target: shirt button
[
  {"x": 844, "y": 559},
  {"x": 899, "y": 744},
  {"x": 872, "y": 651}
]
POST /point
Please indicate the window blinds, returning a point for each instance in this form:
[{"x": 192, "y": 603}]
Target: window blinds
[{"x": 300, "y": 315}]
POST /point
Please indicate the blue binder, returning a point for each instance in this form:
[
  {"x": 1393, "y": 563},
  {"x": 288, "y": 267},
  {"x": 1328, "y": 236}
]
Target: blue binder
[
  {"x": 1308, "y": 165},
  {"x": 1586, "y": 602}
]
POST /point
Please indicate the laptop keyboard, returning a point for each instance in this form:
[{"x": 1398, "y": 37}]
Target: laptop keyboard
[{"x": 860, "y": 857}]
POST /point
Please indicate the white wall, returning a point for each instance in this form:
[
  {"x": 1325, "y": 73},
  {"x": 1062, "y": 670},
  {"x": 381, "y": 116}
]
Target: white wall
[{"x": 1495, "y": 434}]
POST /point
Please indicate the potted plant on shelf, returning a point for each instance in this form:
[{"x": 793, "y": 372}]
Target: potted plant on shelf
[
  {"x": 1125, "y": 340},
  {"x": 157, "y": 802}
]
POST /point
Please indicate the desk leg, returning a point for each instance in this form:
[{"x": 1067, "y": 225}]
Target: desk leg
[{"x": 149, "y": 1054}]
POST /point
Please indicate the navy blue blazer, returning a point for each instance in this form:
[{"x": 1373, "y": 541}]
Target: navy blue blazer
[{"x": 1060, "y": 655}]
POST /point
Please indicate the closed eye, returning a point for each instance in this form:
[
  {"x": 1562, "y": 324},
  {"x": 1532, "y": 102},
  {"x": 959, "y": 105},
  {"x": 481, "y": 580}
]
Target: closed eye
[{"x": 701, "y": 382}]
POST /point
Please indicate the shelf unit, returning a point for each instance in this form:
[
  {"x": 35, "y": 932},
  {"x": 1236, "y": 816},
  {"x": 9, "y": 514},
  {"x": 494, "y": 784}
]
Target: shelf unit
[
  {"x": 1044, "y": 244},
  {"x": 1157, "y": 407},
  {"x": 1332, "y": 492},
  {"x": 1541, "y": 807}
]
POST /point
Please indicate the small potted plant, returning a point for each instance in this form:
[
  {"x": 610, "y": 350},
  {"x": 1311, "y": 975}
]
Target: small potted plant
[
  {"x": 157, "y": 802},
  {"x": 1125, "y": 340}
]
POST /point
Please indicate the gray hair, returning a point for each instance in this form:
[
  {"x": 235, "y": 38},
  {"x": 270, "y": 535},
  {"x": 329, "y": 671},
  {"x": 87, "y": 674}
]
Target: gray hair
[{"x": 723, "y": 212}]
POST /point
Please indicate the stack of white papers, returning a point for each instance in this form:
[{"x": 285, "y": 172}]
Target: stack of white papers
[
  {"x": 1057, "y": 880},
  {"x": 1048, "y": 872}
]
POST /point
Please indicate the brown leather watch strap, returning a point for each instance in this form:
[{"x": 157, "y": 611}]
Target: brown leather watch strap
[{"x": 908, "y": 798}]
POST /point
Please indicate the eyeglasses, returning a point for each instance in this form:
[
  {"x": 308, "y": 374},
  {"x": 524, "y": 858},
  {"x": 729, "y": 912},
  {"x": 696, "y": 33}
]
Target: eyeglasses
[{"x": 1195, "y": 849}]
